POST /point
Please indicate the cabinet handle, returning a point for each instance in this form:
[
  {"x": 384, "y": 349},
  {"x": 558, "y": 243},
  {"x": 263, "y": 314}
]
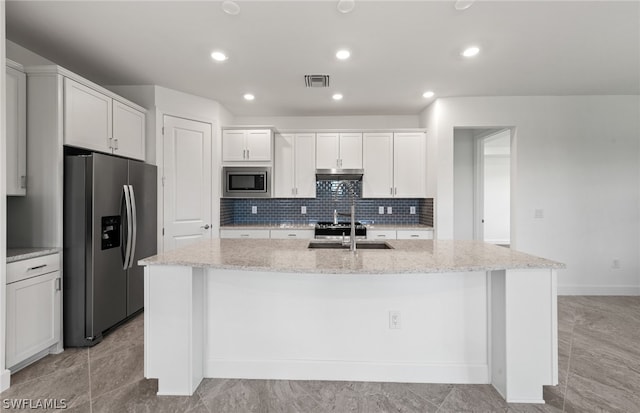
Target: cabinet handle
[
  {"x": 296, "y": 191},
  {"x": 116, "y": 144},
  {"x": 291, "y": 235},
  {"x": 382, "y": 236},
  {"x": 23, "y": 182},
  {"x": 395, "y": 192},
  {"x": 37, "y": 267},
  {"x": 391, "y": 191},
  {"x": 248, "y": 156},
  {"x": 415, "y": 236},
  {"x": 244, "y": 235},
  {"x": 58, "y": 284}
]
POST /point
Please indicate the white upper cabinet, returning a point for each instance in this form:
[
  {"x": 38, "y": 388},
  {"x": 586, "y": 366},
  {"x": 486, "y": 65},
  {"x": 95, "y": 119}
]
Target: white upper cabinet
[
  {"x": 394, "y": 165},
  {"x": 128, "y": 131},
  {"x": 95, "y": 121},
  {"x": 295, "y": 171},
  {"x": 409, "y": 165},
  {"x": 87, "y": 117},
  {"x": 16, "y": 130},
  {"x": 339, "y": 150},
  {"x": 377, "y": 181},
  {"x": 243, "y": 145}
]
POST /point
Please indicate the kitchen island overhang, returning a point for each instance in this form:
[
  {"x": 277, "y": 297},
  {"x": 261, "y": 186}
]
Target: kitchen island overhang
[{"x": 272, "y": 309}]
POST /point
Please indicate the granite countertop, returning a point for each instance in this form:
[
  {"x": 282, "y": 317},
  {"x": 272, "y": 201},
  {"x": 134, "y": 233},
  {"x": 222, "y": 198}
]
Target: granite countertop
[
  {"x": 408, "y": 256},
  {"x": 312, "y": 225},
  {"x": 269, "y": 226},
  {"x": 19, "y": 254}
]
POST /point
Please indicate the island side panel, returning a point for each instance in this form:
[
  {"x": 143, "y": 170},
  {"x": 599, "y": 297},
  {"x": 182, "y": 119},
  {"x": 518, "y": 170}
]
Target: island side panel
[
  {"x": 174, "y": 328},
  {"x": 267, "y": 325},
  {"x": 524, "y": 333}
]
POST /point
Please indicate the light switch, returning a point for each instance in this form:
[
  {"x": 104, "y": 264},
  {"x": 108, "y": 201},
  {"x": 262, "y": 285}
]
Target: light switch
[
  {"x": 389, "y": 210},
  {"x": 254, "y": 209},
  {"x": 538, "y": 213},
  {"x": 303, "y": 210},
  {"x": 381, "y": 210},
  {"x": 412, "y": 210}
]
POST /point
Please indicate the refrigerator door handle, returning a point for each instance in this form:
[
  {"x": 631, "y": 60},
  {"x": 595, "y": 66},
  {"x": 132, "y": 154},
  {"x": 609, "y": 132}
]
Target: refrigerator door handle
[
  {"x": 134, "y": 217},
  {"x": 127, "y": 254}
]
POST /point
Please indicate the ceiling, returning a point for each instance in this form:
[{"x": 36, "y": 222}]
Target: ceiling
[{"x": 399, "y": 50}]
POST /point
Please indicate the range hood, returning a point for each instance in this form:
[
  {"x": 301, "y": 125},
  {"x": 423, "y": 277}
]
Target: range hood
[{"x": 339, "y": 174}]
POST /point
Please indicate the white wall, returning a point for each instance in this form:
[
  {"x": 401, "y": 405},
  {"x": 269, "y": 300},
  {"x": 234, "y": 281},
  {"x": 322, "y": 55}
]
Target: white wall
[
  {"x": 577, "y": 159},
  {"x": 332, "y": 122},
  {"x": 4, "y": 374},
  {"x": 463, "y": 181},
  {"x": 24, "y": 56},
  {"x": 496, "y": 188}
]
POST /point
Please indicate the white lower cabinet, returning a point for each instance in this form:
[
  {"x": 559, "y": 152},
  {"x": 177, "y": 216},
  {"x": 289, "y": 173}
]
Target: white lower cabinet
[
  {"x": 245, "y": 233},
  {"x": 33, "y": 313},
  {"x": 292, "y": 234},
  {"x": 415, "y": 234},
  {"x": 381, "y": 234}
]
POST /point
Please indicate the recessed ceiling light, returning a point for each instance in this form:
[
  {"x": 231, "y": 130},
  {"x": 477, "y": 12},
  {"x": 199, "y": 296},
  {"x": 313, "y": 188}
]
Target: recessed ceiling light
[
  {"x": 428, "y": 94},
  {"x": 337, "y": 96},
  {"x": 249, "y": 96},
  {"x": 463, "y": 4},
  {"x": 471, "y": 51},
  {"x": 346, "y": 6},
  {"x": 230, "y": 7},
  {"x": 343, "y": 54},
  {"x": 219, "y": 56}
]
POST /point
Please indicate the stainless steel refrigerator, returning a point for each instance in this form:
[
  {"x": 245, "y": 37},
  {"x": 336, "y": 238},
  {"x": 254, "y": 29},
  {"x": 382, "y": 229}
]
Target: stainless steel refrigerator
[{"x": 110, "y": 210}]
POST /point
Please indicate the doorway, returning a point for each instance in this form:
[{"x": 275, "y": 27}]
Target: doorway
[
  {"x": 482, "y": 184},
  {"x": 186, "y": 183}
]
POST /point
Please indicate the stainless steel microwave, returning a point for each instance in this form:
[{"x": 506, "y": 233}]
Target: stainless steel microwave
[{"x": 246, "y": 182}]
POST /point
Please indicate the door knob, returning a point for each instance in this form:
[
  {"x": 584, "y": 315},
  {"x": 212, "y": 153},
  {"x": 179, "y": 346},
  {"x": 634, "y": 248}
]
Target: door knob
[{"x": 206, "y": 226}]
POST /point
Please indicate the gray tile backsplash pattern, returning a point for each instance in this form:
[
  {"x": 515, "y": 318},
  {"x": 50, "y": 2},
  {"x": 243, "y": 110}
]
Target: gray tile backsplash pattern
[{"x": 330, "y": 195}]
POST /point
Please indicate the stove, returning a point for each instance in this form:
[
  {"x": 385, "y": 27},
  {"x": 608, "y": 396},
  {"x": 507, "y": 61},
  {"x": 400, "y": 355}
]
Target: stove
[{"x": 329, "y": 230}]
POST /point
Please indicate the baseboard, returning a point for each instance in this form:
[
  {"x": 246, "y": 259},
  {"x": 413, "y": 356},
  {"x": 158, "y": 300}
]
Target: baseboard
[
  {"x": 348, "y": 371},
  {"x": 599, "y": 290},
  {"x": 5, "y": 380}
]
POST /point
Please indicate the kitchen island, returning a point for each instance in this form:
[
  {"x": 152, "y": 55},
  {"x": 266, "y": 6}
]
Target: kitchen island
[{"x": 423, "y": 311}]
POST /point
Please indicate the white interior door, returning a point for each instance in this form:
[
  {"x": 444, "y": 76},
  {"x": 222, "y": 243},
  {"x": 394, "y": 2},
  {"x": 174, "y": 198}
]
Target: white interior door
[{"x": 187, "y": 181}]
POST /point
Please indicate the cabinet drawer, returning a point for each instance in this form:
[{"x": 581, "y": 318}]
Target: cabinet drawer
[
  {"x": 414, "y": 234},
  {"x": 248, "y": 233},
  {"x": 21, "y": 270},
  {"x": 381, "y": 234},
  {"x": 291, "y": 233}
]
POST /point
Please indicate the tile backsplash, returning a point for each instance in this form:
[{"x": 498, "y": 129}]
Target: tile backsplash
[{"x": 330, "y": 195}]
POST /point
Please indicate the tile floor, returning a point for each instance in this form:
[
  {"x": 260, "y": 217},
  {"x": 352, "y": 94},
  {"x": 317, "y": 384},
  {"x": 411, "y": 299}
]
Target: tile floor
[{"x": 599, "y": 355}]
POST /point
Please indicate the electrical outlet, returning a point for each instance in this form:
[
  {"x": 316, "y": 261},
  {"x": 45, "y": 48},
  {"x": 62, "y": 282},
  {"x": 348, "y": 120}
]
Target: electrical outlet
[
  {"x": 303, "y": 210},
  {"x": 538, "y": 214},
  {"x": 615, "y": 264},
  {"x": 412, "y": 210},
  {"x": 395, "y": 320},
  {"x": 381, "y": 210},
  {"x": 254, "y": 209},
  {"x": 389, "y": 210}
]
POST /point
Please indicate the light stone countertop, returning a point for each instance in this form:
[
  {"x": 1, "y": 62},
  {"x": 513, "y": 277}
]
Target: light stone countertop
[
  {"x": 408, "y": 256},
  {"x": 312, "y": 226},
  {"x": 19, "y": 254}
]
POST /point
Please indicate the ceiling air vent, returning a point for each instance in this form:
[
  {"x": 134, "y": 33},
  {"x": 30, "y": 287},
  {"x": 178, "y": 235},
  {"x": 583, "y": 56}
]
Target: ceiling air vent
[{"x": 316, "y": 80}]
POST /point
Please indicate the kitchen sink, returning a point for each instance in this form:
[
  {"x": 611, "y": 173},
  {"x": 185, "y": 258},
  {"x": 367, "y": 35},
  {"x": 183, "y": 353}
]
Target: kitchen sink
[{"x": 362, "y": 245}]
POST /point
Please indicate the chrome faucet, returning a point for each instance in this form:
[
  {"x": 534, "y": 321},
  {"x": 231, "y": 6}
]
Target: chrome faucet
[{"x": 352, "y": 236}]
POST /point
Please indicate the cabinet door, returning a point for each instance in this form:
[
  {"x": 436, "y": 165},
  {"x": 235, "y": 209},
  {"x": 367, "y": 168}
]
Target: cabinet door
[
  {"x": 409, "y": 165},
  {"x": 87, "y": 117},
  {"x": 327, "y": 150},
  {"x": 258, "y": 144},
  {"x": 233, "y": 145},
  {"x": 305, "y": 165},
  {"x": 415, "y": 234},
  {"x": 128, "y": 131},
  {"x": 377, "y": 181},
  {"x": 16, "y": 130},
  {"x": 283, "y": 166},
  {"x": 33, "y": 316},
  {"x": 351, "y": 150}
]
